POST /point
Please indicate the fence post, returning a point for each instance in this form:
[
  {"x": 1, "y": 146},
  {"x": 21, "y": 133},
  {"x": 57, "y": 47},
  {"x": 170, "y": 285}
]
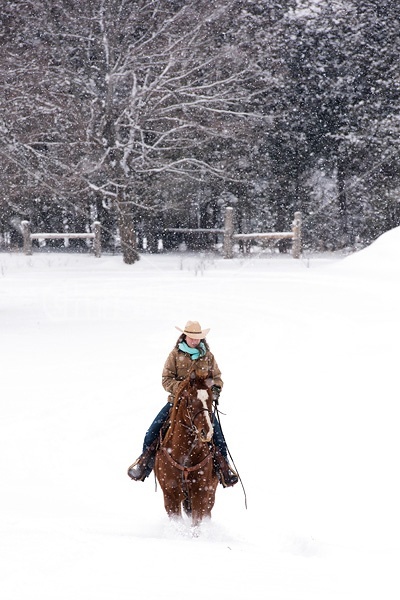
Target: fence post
[
  {"x": 26, "y": 232},
  {"x": 97, "y": 239},
  {"x": 296, "y": 228},
  {"x": 228, "y": 233}
]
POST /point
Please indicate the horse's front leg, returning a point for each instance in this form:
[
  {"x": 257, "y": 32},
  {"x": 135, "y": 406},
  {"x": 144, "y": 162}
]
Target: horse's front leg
[
  {"x": 203, "y": 499},
  {"x": 200, "y": 510},
  {"x": 172, "y": 506},
  {"x": 199, "y": 515}
]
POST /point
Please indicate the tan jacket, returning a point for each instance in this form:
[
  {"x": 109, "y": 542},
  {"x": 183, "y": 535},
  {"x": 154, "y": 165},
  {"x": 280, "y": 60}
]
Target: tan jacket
[{"x": 178, "y": 366}]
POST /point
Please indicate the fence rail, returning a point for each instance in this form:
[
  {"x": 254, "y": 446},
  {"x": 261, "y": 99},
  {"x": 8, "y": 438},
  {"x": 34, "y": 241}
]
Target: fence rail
[
  {"x": 193, "y": 230},
  {"x": 28, "y": 237},
  {"x": 273, "y": 235}
]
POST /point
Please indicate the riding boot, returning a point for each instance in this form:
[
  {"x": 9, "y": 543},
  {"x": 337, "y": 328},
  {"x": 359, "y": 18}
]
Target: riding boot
[
  {"x": 226, "y": 475},
  {"x": 143, "y": 466}
]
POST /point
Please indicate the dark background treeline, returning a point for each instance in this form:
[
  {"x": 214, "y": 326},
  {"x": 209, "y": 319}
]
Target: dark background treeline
[{"x": 154, "y": 114}]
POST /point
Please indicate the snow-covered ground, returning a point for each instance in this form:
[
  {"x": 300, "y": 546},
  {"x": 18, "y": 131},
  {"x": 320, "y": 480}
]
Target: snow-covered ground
[{"x": 309, "y": 351}]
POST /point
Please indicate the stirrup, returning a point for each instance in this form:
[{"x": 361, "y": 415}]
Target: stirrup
[
  {"x": 139, "y": 470},
  {"x": 228, "y": 477},
  {"x": 143, "y": 466}
]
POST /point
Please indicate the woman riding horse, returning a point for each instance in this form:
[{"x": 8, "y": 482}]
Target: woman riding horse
[
  {"x": 184, "y": 464},
  {"x": 191, "y": 350}
]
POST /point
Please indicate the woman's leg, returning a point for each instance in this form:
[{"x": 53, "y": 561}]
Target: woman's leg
[
  {"x": 154, "y": 430},
  {"x": 219, "y": 439},
  {"x": 143, "y": 466}
]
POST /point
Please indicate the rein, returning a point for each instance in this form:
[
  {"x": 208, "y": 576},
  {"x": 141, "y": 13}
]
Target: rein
[
  {"x": 216, "y": 415},
  {"x": 199, "y": 412}
]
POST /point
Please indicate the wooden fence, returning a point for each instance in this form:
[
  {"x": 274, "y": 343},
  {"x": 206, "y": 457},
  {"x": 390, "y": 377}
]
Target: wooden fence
[
  {"x": 230, "y": 237},
  {"x": 28, "y": 237}
]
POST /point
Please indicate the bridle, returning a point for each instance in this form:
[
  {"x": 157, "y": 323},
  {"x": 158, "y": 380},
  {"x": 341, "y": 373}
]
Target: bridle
[
  {"x": 192, "y": 418},
  {"x": 199, "y": 412}
]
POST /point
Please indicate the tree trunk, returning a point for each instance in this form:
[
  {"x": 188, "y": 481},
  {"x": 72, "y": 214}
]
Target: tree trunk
[
  {"x": 127, "y": 234},
  {"x": 107, "y": 220},
  {"x": 344, "y": 236}
]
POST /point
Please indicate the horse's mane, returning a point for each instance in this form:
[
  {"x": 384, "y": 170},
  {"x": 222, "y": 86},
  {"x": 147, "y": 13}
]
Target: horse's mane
[
  {"x": 175, "y": 406},
  {"x": 183, "y": 384}
]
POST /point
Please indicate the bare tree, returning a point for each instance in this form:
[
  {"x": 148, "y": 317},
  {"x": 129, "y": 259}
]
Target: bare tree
[{"x": 113, "y": 92}]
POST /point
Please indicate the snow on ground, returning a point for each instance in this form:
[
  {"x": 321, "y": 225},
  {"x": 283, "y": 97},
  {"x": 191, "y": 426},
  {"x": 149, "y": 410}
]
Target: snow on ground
[{"x": 309, "y": 354}]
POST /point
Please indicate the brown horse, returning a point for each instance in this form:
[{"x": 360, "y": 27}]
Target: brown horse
[{"x": 184, "y": 462}]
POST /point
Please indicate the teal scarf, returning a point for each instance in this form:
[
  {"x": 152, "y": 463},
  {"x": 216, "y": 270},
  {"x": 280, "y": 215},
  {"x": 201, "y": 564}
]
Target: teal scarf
[{"x": 195, "y": 353}]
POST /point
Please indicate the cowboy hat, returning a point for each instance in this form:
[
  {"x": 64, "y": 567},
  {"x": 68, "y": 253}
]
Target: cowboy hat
[{"x": 193, "y": 330}]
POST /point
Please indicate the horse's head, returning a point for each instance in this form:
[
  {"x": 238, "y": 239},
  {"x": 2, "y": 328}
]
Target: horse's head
[{"x": 200, "y": 405}]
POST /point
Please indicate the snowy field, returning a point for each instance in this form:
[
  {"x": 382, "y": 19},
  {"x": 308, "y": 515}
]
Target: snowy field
[{"x": 309, "y": 352}]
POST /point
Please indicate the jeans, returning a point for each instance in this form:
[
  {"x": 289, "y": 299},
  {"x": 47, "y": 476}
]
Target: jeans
[{"x": 154, "y": 430}]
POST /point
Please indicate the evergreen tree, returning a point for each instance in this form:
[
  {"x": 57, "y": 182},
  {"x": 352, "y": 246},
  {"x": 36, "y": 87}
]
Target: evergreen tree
[{"x": 340, "y": 95}]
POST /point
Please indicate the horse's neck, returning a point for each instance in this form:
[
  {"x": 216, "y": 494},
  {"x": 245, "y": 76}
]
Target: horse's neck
[
  {"x": 181, "y": 439},
  {"x": 180, "y": 422}
]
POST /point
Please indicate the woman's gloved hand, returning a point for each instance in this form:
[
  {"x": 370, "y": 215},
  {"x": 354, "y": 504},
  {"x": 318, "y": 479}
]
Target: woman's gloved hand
[{"x": 216, "y": 390}]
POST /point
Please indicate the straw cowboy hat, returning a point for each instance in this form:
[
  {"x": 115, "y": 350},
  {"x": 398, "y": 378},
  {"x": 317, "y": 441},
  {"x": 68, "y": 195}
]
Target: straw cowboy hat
[{"x": 193, "y": 330}]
